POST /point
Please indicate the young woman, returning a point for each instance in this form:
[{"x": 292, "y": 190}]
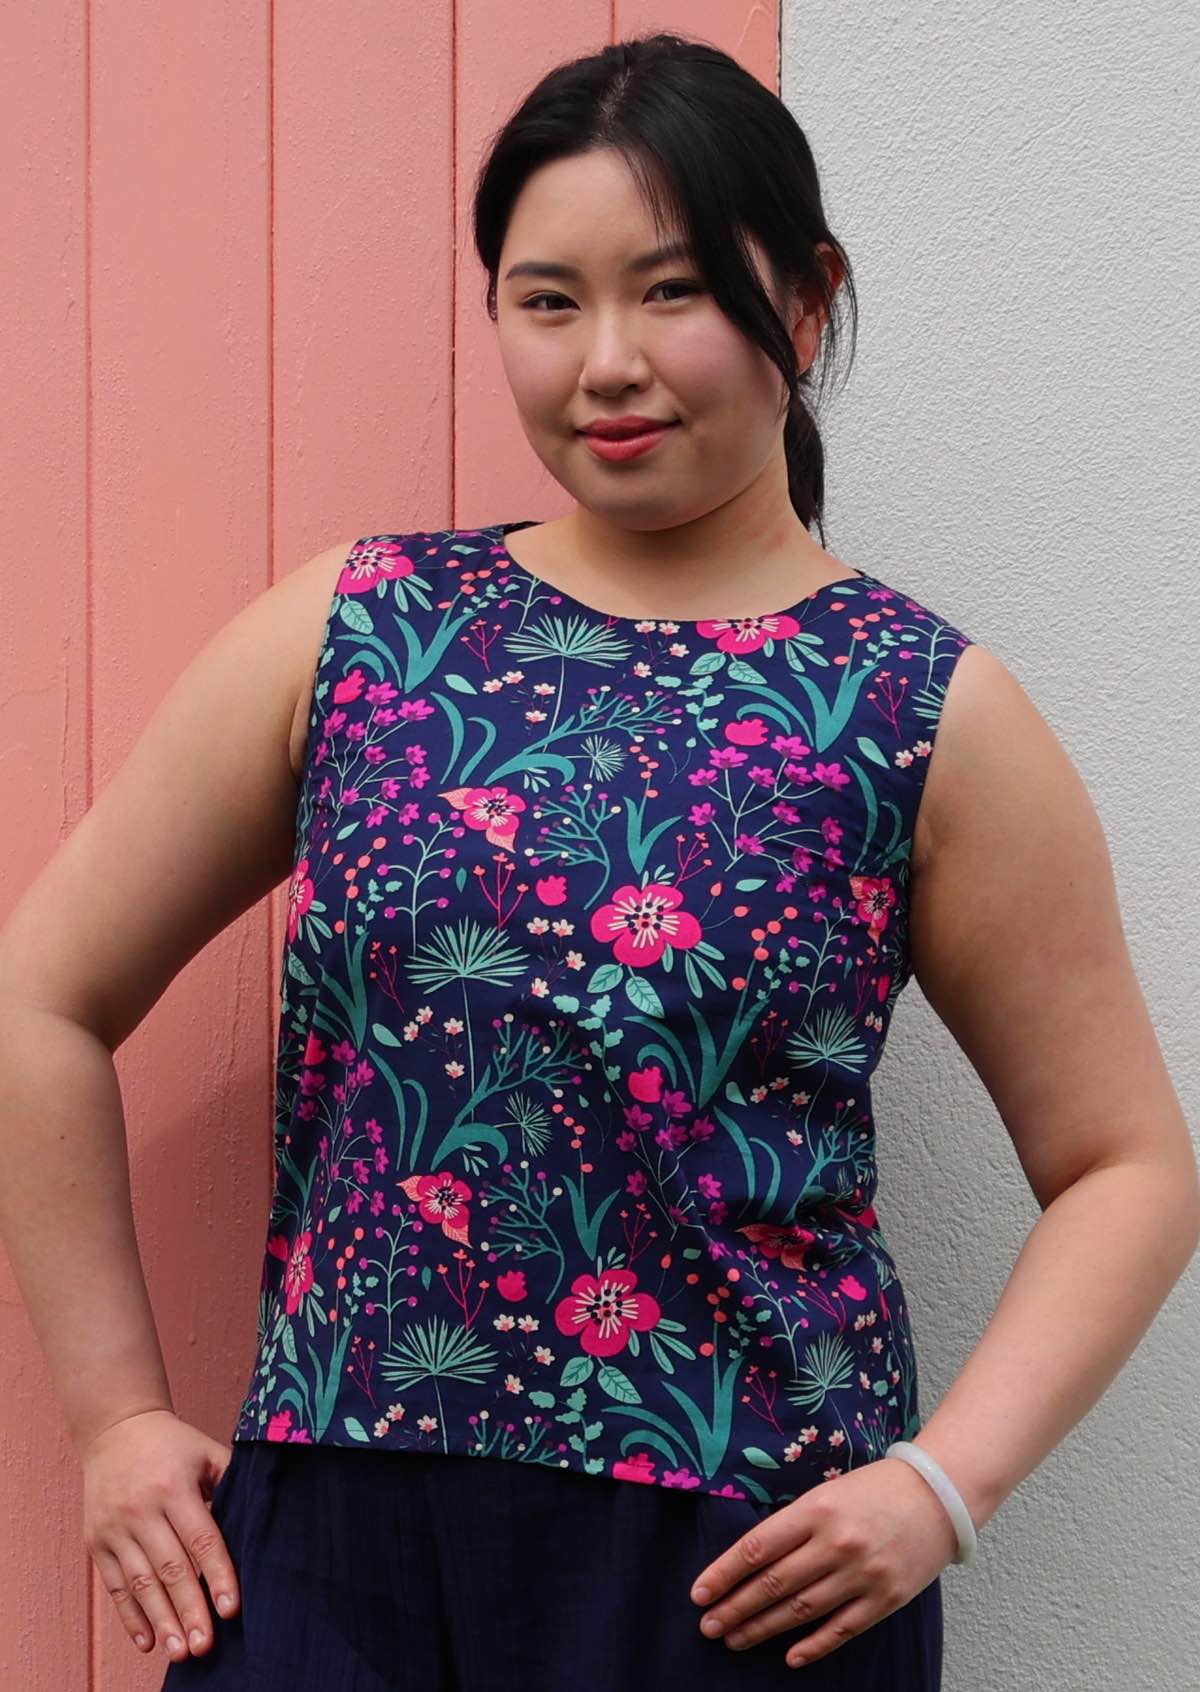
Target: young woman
[{"x": 612, "y": 842}]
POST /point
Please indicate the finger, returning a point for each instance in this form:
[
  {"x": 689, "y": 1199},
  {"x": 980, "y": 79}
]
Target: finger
[
  {"x": 801, "y": 1603},
  {"x": 205, "y": 1543},
  {"x": 148, "y": 1592},
  {"x": 757, "y": 1547},
  {"x": 171, "y": 1561},
  {"x": 780, "y": 1582},
  {"x": 844, "y": 1624},
  {"x": 133, "y": 1617}
]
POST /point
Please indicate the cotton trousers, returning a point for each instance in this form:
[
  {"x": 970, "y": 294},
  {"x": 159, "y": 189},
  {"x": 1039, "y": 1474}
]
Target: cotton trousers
[{"x": 365, "y": 1571}]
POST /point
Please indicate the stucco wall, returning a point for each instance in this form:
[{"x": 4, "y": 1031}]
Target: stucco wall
[{"x": 1017, "y": 190}]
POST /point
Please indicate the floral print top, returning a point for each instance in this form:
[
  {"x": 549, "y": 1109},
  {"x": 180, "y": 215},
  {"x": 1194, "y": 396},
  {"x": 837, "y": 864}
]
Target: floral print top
[{"x": 595, "y": 929}]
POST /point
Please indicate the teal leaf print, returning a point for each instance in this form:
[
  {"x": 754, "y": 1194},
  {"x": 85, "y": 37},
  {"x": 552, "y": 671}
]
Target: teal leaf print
[
  {"x": 828, "y": 1367},
  {"x": 617, "y": 1384},
  {"x": 355, "y": 615},
  {"x": 642, "y": 996},
  {"x": 568, "y": 637},
  {"x": 355, "y": 1429},
  {"x": 760, "y": 1458},
  {"x": 384, "y": 1035},
  {"x": 870, "y": 750},
  {"x": 430, "y": 1350},
  {"x": 708, "y": 663},
  {"x": 740, "y": 671},
  {"x": 833, "y": 1037},
  {"x": 604, "y": 756},
  {"x": 466, "y": 951},
  {"x": 577, "y": 1370},
  {"x": 605, "y": 979},
  {"x": 460, "y": 684}
]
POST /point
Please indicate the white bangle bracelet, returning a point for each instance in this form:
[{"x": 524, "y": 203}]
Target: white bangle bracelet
[{"x": 946, "y": 1490}]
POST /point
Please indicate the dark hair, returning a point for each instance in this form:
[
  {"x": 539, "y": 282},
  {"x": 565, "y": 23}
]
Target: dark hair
[{"x": 713, "y": 151}]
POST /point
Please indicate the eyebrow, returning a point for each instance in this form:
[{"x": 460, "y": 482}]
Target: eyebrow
[{"x": 568, "y": 272}]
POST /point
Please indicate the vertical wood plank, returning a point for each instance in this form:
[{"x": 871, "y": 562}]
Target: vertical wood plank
[
  {"x": 45, "y": 588},
  {"x": 181, "y": 539}
]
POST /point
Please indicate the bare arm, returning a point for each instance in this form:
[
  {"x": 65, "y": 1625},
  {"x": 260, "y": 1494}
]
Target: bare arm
[
  {"x": 1018, "y": 945},
  {"x": 215, "y": 764},
  {"x": 62, "y": 1139}
]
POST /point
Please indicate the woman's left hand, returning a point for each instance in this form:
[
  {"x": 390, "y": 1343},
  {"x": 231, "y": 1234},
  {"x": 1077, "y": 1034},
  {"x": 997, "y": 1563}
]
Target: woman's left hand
[{"x": 853, "y": 1549}]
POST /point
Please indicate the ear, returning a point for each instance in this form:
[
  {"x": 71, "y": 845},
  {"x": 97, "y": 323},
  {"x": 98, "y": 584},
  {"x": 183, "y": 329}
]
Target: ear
[{"x": 808, "y": 314}]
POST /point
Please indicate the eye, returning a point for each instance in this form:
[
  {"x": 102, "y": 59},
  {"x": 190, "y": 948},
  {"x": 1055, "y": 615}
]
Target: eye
[{"x": 532, "y": 302}]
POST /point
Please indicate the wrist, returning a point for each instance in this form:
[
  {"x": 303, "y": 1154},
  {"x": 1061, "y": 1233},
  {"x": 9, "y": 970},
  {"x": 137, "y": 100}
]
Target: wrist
[{"x": 85, "y": 1439}]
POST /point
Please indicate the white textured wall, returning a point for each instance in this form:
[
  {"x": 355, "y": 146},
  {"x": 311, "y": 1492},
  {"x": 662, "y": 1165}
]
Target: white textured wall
[{"x": 1018, "y": 189}]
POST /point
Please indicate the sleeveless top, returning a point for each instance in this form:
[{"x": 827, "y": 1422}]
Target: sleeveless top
[{"x": 595, "y": 930}]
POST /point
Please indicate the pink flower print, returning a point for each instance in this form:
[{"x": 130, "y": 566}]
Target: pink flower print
[
  {"x": 415, "y": 710},
  {"x": 699, "y": 815},
  {"x": 493, "y": 809},
  {"x": 684, "y": 1479},
  {"x": 299, "y": 897},
  {"x": 639, "y": 1467},
  {"x": 603, "y": 1311},
  {"x": 749, "y": 731},
  {"x": 726, "y": 758},
  {"x": 787, "y": 1244},
  {"x": 314, "y": 1053},
  {"x": 552, "y": 889},
  {"x": 641, "y": 922},
  {"x": 442, "y": 1201},
  {"x": 747, "y": 634},
  {"x": 346, "y": 692},
  {"x": 298, "y": 1275},
  {"x": 511, "y": 1285},
  {"x": 380, "y": 560},
  {"x": 833, "y": 775},
  {"x": 874, "y": 897},
  {"x": 645, "y": 1085}
]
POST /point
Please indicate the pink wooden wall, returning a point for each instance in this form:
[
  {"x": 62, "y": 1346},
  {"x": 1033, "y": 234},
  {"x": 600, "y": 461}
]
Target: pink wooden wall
[{"x": 244, "y": 321}]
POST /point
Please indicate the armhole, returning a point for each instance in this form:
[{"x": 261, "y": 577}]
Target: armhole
[
  {"x": 940, "y": 687},
  {"x": 327, "y": 593}
]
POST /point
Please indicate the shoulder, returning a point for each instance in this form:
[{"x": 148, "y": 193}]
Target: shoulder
[
  {"x": 997, "y": 767},
  {"x": 304, "y": 602},
  {"x": 980, "y": 691}
]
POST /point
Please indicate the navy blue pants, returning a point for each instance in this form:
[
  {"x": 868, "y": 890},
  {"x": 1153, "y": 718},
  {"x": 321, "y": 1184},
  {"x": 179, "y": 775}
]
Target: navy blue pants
[{"x": 430, "y": 1572}]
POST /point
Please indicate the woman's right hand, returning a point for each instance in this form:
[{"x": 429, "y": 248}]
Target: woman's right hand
[{"x": 147, "y": 1482}]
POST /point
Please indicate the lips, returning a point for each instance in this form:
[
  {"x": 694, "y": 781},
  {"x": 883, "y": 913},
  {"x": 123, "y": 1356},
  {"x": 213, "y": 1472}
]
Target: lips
[{"x": 628, "y": 431}]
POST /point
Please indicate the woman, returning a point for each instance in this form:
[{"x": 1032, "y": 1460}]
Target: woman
[{"x": 581, "y": 1353}]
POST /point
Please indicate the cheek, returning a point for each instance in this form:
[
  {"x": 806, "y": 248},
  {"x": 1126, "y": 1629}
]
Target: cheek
[
  {"x": 714, "y": 372},
  {"x": 538, "y": 372}
]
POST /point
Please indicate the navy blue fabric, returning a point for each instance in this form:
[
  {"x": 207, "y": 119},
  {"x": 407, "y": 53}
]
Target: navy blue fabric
[{"x": 441, "y": 1572}]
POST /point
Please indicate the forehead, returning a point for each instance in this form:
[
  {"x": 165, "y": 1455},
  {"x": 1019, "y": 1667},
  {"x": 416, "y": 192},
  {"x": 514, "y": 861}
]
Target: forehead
[{"x": 588, "y": 212}]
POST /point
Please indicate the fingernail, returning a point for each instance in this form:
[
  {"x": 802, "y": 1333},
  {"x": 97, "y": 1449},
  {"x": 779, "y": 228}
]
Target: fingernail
[
  {"x": 701, "y": 1594},
  {"x": 224, "y": 1603},
  {"x": 195, "y": 1638},
  {"x": 711, "y": 1625},
  {"x": 174, "y": 1643},
  {"x": 140, "y": 1641}
]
